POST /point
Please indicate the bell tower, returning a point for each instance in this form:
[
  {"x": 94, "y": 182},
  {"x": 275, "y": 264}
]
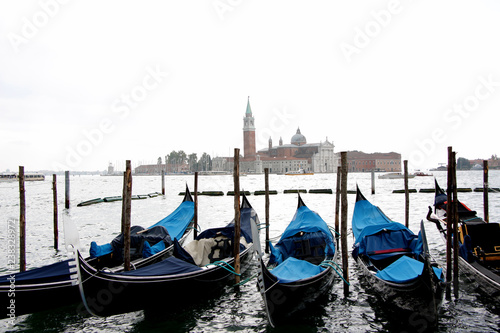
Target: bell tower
[{"x": 249, "y": 132}]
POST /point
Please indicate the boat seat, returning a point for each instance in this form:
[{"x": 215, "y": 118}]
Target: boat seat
[
  {"x": 221, "y": 250},
  {"x": 308, "y": 249},
  {"x": 485, "y": 240}
]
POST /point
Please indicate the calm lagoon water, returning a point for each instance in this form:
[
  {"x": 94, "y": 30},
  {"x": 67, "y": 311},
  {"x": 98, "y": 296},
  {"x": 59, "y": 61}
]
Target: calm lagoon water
[{"x": 239, "y": 311}]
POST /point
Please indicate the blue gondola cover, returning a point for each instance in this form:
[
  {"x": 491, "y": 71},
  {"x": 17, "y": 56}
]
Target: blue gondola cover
[
  {"x": 59, "y": 271},
  {"x": 311, "y": 227},
  {"x": 293, "y": 269},
  {"x": 405, "y": 269}
]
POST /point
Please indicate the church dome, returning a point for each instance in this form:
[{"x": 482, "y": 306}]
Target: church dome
[{"x": 298, "y": 139}]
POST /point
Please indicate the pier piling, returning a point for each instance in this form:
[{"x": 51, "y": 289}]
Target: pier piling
[
  {"x": 237, "y": 232},
  {"x": 454, "y": 202},
  {"x": 343, "y": 233},
  {"x": 373, "y": 181},
  {"x": 485, "y": 191},
  {"x": 54, "y": 195},
  {"x": 22, "y": 221},
  {"x": 266, "y": 187},
  {"x": 449, "y": 227},
  {"x": 407, "y": 195},
  {"x": 126, "y": 211},
  {"x": 195, "y": 218},
  {"x": 163, "y": 182},
  {"x": 337, "y": 205},
  {"x": 66, "y": 189}
]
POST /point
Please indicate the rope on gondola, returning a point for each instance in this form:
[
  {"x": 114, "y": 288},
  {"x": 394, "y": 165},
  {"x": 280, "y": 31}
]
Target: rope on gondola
[
  {"x": 198, "y": 228},
  {"x": 333, "y": 229},
  {"x": 329, "y": 263},
  {"x": 262, "y": 224},
  {"x": 246, "y": 280},
  {"x": 225, "y": 265}
]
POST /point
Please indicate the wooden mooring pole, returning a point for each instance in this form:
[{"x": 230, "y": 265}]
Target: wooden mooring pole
[
  {"x": 407, "y": 195},
  {"x": 127, "y": 210},
  {"x": 66, "y": 189},
  {"x": 455, "y": 225},
  {"x": 22, "y": 221},
  {"x": 343, "y": 232},
  {"x": 237, "y": 232},
  {"x": 337, "y": 206},
  {"x": 485, "y": 191},
  {"x": 266, "y": 187},
  {"x": 163, "y": 182},
  {"x": 54, "y": 195},
  {"x": 195, "y": 218},
  {"x": 449, "y": 226},
  {"x": 373, "y": 181}
]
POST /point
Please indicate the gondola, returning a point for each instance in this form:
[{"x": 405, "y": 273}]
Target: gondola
[
  {"x": 301, "y": 266},
  {"x": 194, "y": 272},
  {"x": 54, "y": 285},
  {"x": 479, "y": 244},
  {"x": 396, "y": 263}
]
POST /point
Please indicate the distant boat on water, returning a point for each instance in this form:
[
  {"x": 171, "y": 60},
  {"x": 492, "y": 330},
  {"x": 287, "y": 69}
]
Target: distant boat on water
[
  {"x": 395, "y": 175},
  {"x": 12, "y": 176},
  {"x": 299, "y": 172}
]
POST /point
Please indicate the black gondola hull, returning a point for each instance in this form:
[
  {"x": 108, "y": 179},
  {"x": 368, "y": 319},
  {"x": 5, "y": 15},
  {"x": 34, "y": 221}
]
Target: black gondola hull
[
  {"x": 110, "y": 294},
  {"x": 32, "y": 296},
  {"x": 421, "y": 297},
  {"x": 285, "y": 299}
]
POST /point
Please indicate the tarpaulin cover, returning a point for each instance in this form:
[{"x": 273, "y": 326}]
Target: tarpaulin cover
[
  {"x": 137, "y": 238},
  {"x": 148, "y": 250},
  {"x": 175, "y": 223},
  {"x": 58, "y": 271},
  {"x": 367, "y": 215},
  {"x": 313, "y": 230},
  {"x": 169, "y": 266},
  {"x": 376, "y": 235},
  {"x": 403, "y": 270},
  {"x": 246, "y": 214},
  {"x": 293, "y": 269},
  {"x": 99, "y": 250}
]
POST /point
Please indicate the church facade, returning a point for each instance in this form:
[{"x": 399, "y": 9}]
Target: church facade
[{"x": 282, "y": 158}]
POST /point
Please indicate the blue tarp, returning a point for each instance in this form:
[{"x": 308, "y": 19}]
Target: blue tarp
[
  {"x": 148, "y": 250},
  {"x": 367, "y": 215},
  {"x": 316, "y": 233},
  {"x": 403, "y": 270},
  {"x": 228, "y": 231},
  {"x": 169, "y": 266},
  {"x": 306, "y": 220},
  {"x": 58, "y": 271},
  {"x": 379, "y": 237},
  {"x": 175, "y": 223},
  {"x": 293, "y": 269}
]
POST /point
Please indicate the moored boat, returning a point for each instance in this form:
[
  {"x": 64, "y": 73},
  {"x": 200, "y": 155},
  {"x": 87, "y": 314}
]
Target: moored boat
[
  {"x": 299, "y": 172},
  {"x": 396, "y": 263},
  {"x": 54, "y": 286},
  {"x": 395, "y": 175},
  {"x": 301, "y": 267},
  {"x": 479, "y": 245},
  {"x": 194, "y": 272}
]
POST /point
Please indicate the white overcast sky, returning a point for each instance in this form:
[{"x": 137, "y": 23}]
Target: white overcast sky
[{"x": 85, "y": 83}]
